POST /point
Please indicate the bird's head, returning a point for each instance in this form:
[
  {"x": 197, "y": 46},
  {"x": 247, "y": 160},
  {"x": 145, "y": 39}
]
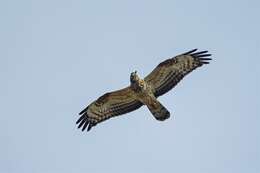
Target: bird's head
[{"x": 134, "y": 77}]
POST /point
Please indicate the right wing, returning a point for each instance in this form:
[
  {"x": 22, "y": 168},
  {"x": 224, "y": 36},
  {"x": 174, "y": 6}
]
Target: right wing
[{"x": 170, "y": 72}]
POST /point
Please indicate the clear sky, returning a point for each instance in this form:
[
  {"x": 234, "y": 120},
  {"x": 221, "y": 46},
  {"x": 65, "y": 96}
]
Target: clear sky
[{"x": 57, "y": 56}]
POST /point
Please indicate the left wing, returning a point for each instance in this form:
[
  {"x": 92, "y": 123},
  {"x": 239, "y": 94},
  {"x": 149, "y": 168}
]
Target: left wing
[
  {"x": 109, "y": 105},
  {"x": 169, "y": 72}
]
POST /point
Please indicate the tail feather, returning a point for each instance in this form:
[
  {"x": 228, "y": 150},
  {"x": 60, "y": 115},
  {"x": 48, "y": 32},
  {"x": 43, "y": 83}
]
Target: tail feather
[{"x": 159, "y": 111}]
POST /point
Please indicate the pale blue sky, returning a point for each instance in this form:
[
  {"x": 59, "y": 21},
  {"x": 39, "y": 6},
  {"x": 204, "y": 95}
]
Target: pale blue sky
[{"x": 57, "y": 56}]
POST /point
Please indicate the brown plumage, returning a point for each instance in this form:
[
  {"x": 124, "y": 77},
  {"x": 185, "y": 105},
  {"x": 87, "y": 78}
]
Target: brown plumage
[{"x": 143, "y": 91}]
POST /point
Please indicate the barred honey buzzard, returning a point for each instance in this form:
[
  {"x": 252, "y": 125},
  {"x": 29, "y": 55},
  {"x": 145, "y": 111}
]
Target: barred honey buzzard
[{"x": 143, "y": 91}]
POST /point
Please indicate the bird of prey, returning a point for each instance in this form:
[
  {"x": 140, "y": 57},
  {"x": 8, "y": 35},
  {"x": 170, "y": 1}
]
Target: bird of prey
[{"x": 143, "y": 91}]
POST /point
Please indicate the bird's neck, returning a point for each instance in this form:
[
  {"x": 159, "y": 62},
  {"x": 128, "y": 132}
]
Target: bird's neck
[{"x": 138, "y": 85}]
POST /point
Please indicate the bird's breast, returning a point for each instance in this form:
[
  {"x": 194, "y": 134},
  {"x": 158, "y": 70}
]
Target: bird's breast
[{"x": 144, "y": 93}]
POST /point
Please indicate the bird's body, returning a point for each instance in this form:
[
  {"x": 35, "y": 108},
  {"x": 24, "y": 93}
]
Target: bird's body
[{"x": 143, "y": 91}]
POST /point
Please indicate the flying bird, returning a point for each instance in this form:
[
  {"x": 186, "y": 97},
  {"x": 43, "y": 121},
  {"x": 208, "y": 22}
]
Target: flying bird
[{"x": 143, "y": 91}]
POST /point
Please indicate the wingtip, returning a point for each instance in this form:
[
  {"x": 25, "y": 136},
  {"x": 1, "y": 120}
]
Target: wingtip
[
  {"x": 89, "y": 128},
  {"x": 205, "y": 60},
  {"x": 80, "y": 119},
  {"x": 82, "y": 122},
  {"x": 191, "y": 51},
  {"x": 202, "y": 56},
  {"x": 85, "y": 125},
  {"x": 197, "y": 54},
  {"x": 84, "y": 110}
]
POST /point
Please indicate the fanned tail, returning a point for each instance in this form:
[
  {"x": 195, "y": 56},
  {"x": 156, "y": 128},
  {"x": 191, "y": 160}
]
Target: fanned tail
[{"x": 159, "y": 111}]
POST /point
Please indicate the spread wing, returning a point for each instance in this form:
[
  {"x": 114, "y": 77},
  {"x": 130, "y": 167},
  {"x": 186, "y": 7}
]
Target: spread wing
[
  {"x": 169, "y": 72},
  {"x": 109, "y": 105}
]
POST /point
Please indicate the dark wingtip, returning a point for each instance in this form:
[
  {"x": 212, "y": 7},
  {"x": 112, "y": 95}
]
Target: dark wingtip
[
  {"x": 202, "y": 55},
  {"x": 199, "y": 53},
  {"x": 205, "y": 60},
  {"x": 84, "y": 110},
  {"x": 84, "y": 121},
  {"x": 85, "y": 125},
  {"x": 81, "y": 123},
  {"x": 189, "y": 52},
  {"x": 89, "y": 127},
  {"x": 80, "y": 119},
  {"x": 199, "y": 56}
]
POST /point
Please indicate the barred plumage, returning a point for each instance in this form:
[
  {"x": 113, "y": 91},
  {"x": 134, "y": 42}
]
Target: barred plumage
[{"x": 143, "y": 92}]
